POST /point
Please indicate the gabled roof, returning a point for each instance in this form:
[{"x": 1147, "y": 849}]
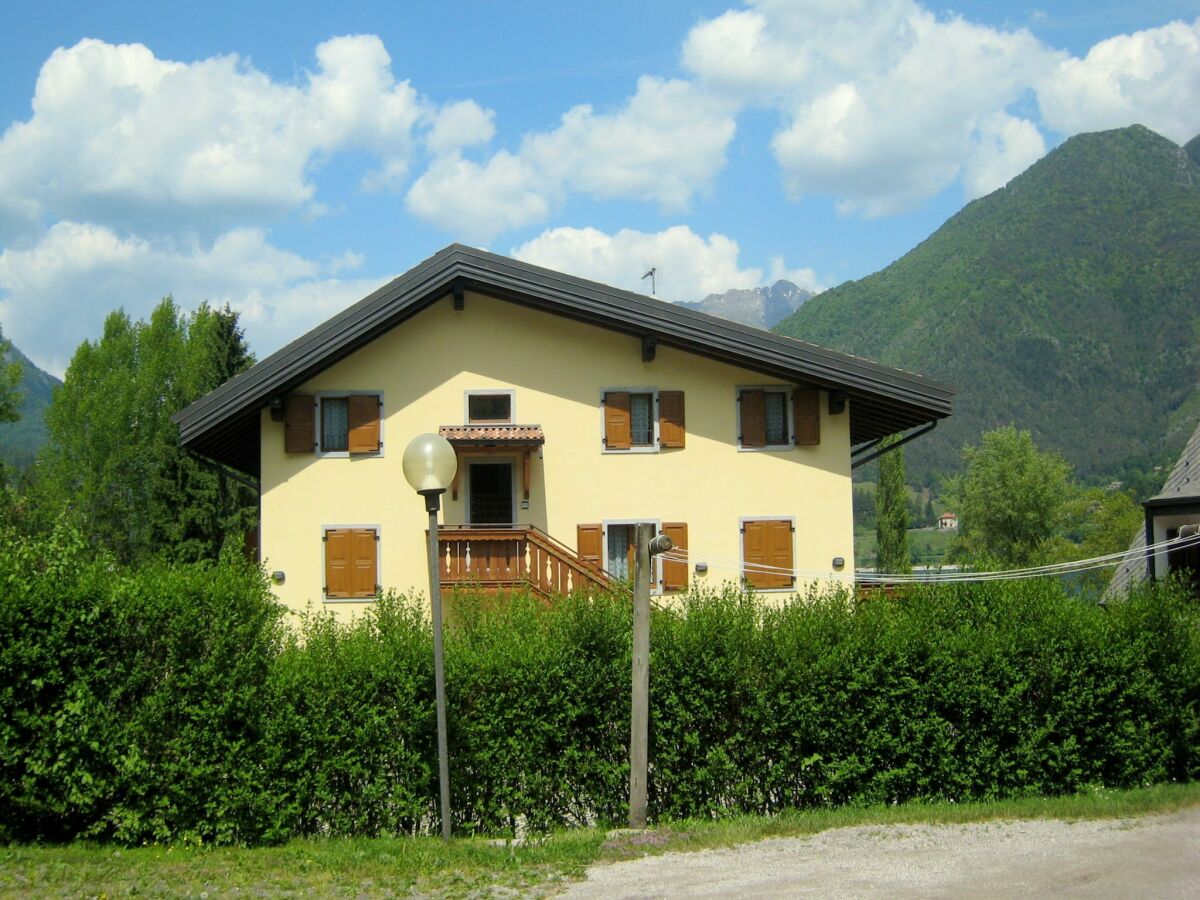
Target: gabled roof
[{"x": 223, "y": 425}]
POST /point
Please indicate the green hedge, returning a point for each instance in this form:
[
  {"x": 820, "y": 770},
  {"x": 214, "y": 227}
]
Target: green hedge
[{"x": 172, "y": 703}]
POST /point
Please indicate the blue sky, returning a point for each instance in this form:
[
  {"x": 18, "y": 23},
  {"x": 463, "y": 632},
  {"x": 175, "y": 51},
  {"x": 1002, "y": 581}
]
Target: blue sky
[{"x": 288, "y": 158}]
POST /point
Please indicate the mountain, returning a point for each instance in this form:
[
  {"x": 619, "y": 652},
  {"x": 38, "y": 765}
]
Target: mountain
[
  {"x": 761, "y": 307},
  {"x": 1067, "y": 302},
  {"x": 21, "y": 440}
]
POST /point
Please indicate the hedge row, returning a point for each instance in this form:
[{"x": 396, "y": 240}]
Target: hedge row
[{"x": 174, "y": 703}]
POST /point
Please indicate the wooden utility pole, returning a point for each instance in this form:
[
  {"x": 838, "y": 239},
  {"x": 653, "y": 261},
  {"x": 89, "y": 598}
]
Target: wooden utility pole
[{"x": 639, "y": 723}]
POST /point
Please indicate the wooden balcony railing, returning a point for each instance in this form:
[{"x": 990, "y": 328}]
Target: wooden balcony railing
[{"x": 495, "y": 557}]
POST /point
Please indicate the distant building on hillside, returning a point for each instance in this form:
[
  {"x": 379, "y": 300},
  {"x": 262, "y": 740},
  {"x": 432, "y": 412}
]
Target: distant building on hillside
[
  {"x": 1172, "y": 513},
  {"x": 947, "y": 521}
]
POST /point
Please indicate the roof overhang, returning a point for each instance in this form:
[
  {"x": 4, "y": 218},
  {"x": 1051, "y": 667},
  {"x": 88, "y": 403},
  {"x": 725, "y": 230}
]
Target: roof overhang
[{"x": 224, "y": 424}]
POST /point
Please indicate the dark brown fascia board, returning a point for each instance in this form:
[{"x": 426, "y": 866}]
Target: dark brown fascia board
[{"x": 565, "y": 295}]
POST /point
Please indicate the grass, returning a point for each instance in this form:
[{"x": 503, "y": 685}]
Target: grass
[
  {"x": 476, "y": 867},
  {"x": 931, "y": 545}
]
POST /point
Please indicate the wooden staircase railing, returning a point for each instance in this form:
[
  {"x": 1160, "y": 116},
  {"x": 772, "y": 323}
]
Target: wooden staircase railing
[{"x": 499, "y": 557}]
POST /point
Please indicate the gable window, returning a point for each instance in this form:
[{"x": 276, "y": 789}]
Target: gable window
[
  {"x": 645, "y": 419},
  {"x": 334, "y": 424},
  {"x": 351, "y": 563},
  {"x": 489, "y": 407},
  {"x": 778, "y": 417}
]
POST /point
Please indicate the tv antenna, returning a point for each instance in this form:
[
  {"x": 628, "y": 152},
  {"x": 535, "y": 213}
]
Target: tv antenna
[{"x": 651, "y": 276}]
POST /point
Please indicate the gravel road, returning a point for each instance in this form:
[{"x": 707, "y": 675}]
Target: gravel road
[{"x": 1156, "y": 856}]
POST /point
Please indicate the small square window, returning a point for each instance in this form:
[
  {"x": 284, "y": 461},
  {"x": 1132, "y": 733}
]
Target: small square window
[{"x": 489, "y": 408}]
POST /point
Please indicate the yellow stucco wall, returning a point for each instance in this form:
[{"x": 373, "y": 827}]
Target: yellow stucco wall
[{"x": 558, "y": 369}]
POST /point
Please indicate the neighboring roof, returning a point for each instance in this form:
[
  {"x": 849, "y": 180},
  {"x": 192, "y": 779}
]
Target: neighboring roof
[
  {"x": 493, "y": 434},
  {"x": 223, "y": 425},
  {"x": 1181, "y": 486}
]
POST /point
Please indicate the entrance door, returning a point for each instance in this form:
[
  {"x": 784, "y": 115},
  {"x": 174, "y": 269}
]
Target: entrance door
[{"x": 491, "y": 489}]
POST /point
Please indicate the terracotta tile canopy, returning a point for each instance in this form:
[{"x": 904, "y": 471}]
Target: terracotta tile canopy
[{"x": 493, "y": 434}]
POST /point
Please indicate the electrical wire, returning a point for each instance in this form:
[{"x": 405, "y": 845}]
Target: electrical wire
[{"x": 938, "y": 577}]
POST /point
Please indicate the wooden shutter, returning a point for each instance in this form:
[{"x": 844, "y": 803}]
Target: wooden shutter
[
  {"x": 753, "y": 418},
  {"x": 674, "y": 573},
  {"x": 363, "y": 412},
  {"x": 618, "y": 434},
  {"x": 589, "y": 540},
  {"x": 300, "y": 424},
  {"x": 670, "y": 419},
  {"x": 806, "y": 414},
  {"x": 351, "y": 570},
  {"x": 768, "y": 543}
]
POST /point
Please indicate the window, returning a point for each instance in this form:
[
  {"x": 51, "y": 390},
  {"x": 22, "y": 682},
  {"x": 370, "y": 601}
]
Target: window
[
  {"x": 767, "y": 559},
  {"x": 341, "y": 424},
  {"x": 489, "y": 407},
  {"x": 644, "y": 419},
  {"x": 767, "y": 420},
  {"x": 351, "y": 563},
  {"x": 615, "y": 543}
]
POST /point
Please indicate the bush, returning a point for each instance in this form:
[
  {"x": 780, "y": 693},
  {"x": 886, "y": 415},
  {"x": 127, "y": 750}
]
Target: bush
[{"x": 167, "y": 703}]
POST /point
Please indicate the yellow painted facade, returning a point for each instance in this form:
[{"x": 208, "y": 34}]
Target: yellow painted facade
[{"x": 557, "y": 369}]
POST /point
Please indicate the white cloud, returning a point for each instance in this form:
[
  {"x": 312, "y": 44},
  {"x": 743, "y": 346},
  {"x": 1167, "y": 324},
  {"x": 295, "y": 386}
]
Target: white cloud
[
  {"x": 459, "y": 125},
  {"x": 689, "y": 266},
  {"x": 884, "y": 104},
  {"x": 477, "y": 202},
  {"x": 1150, "y": 77},
  {"x": 57, "y": 293},
  {"x": 119, "y": 136},
  {"x": 1006, "y": 147},
  {"x": 665, "y": 145}
]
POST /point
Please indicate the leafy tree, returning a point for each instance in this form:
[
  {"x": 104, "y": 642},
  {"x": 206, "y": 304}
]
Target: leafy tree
[
  {"x": 113, "y": 462},
  {"x": 1011, "y": 499},
  {"x": 10, "y": 377},
  {"x": 891, "y": 510}
]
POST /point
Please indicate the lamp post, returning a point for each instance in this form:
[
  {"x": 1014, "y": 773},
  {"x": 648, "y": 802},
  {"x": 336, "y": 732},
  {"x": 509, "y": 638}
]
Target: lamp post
[{"x": 429, "y": 465}]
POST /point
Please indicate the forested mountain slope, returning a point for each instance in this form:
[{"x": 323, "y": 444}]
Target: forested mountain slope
[
  {"x": 20, "y": 440},
  {"x": 1067, "y": 302}
]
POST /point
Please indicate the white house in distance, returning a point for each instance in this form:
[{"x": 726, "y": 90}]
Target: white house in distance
[
  {"x": 576, "y": 411},
  {"x": 948, "y": 521}
]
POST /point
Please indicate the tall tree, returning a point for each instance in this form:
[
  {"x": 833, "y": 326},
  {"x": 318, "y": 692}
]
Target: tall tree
[
  {"x": 1011, "y": 500},
  {"x": 113, "y": 460},
  {"x": 891, "y": 512},
  {"x": 10, "y": 377}
]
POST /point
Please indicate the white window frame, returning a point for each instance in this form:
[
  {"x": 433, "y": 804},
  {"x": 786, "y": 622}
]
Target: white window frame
[
  {"x": 490, "y": 392},
  {"x": 321, "y": 396},
  {"x": 656, "y": 561},
  {"x": 788, "y": 416},
  {"x": 742, "y": 520},
  {"x": 378, "y": 560},
  {"x": 652, "y": 447}
]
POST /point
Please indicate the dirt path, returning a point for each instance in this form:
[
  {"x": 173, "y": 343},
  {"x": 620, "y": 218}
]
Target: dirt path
[{"x": 1157, "y": 856}]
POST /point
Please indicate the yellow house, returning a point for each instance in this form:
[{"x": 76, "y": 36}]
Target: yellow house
[{"x": 576, "y": 410}]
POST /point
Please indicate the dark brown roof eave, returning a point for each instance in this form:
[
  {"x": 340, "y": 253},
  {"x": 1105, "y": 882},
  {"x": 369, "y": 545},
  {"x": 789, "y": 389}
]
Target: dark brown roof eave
[{"x": 883, "y": 400}]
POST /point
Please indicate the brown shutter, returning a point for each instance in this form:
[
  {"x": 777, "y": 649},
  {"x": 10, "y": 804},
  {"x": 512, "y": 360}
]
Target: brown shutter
[
  {"x": 350, "y": 563},
  {"x": 806, "y": 414},
  {"x": 366, "y": 576},
  {"x": 768, "y": 543},
  {"x": 753, "y": 418},
  {"x": 363, "y": 412},
  {"x": 589, "y": 540},
  {"x": 618, "y": 434},
  {"x": 338, "y": 565},
  {"x": 675, "y": 573},
  {"x": 300, "y": 424},
  {"x": 670, "y": 419}
]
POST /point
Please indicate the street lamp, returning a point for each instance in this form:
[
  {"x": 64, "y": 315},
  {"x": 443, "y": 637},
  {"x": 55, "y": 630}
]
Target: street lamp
[{"x": 429, "y": 466}]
